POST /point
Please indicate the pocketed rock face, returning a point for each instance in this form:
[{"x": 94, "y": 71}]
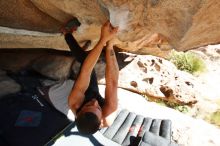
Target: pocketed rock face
[
  {"x": 180, "y": 22},
  {"x": 158, "y": 78}
]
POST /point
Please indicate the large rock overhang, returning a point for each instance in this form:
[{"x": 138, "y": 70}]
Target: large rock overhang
[{"x": 146, "y": 26}]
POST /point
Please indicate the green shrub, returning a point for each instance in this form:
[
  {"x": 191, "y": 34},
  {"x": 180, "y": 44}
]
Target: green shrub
[
  {"x": 218, "y": 102},
  {"x": 183, "y": 108},
  {"x": 188, "y": 62},
  {"x": 215, "y": 118},
  {"x": 180, "y": 108}
]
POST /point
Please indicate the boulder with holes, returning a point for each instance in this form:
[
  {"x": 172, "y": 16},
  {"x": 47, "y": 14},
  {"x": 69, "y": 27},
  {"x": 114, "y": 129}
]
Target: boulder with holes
[{"x": 159, "y": 78}]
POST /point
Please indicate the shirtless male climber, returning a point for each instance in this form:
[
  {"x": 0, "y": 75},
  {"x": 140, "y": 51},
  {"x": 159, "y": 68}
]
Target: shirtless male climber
[{"x": 81, "y": 98}]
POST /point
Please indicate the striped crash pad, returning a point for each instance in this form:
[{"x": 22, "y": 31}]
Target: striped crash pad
[{"x": 136, "y": 130}]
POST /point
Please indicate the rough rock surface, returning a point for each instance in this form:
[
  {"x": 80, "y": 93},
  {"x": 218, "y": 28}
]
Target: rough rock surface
[
  {"x": 158, "y": 78},
  {"x": 205, "y": 21},
  {"x": 50, "y": 63},
  {"x": 7, "y": 85},
  {"x": 17, "y": 59},
  {"x": 30, "y": 39},
  {"x": 55, "y": 67},
  {"x": 184, "y": 24}
]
